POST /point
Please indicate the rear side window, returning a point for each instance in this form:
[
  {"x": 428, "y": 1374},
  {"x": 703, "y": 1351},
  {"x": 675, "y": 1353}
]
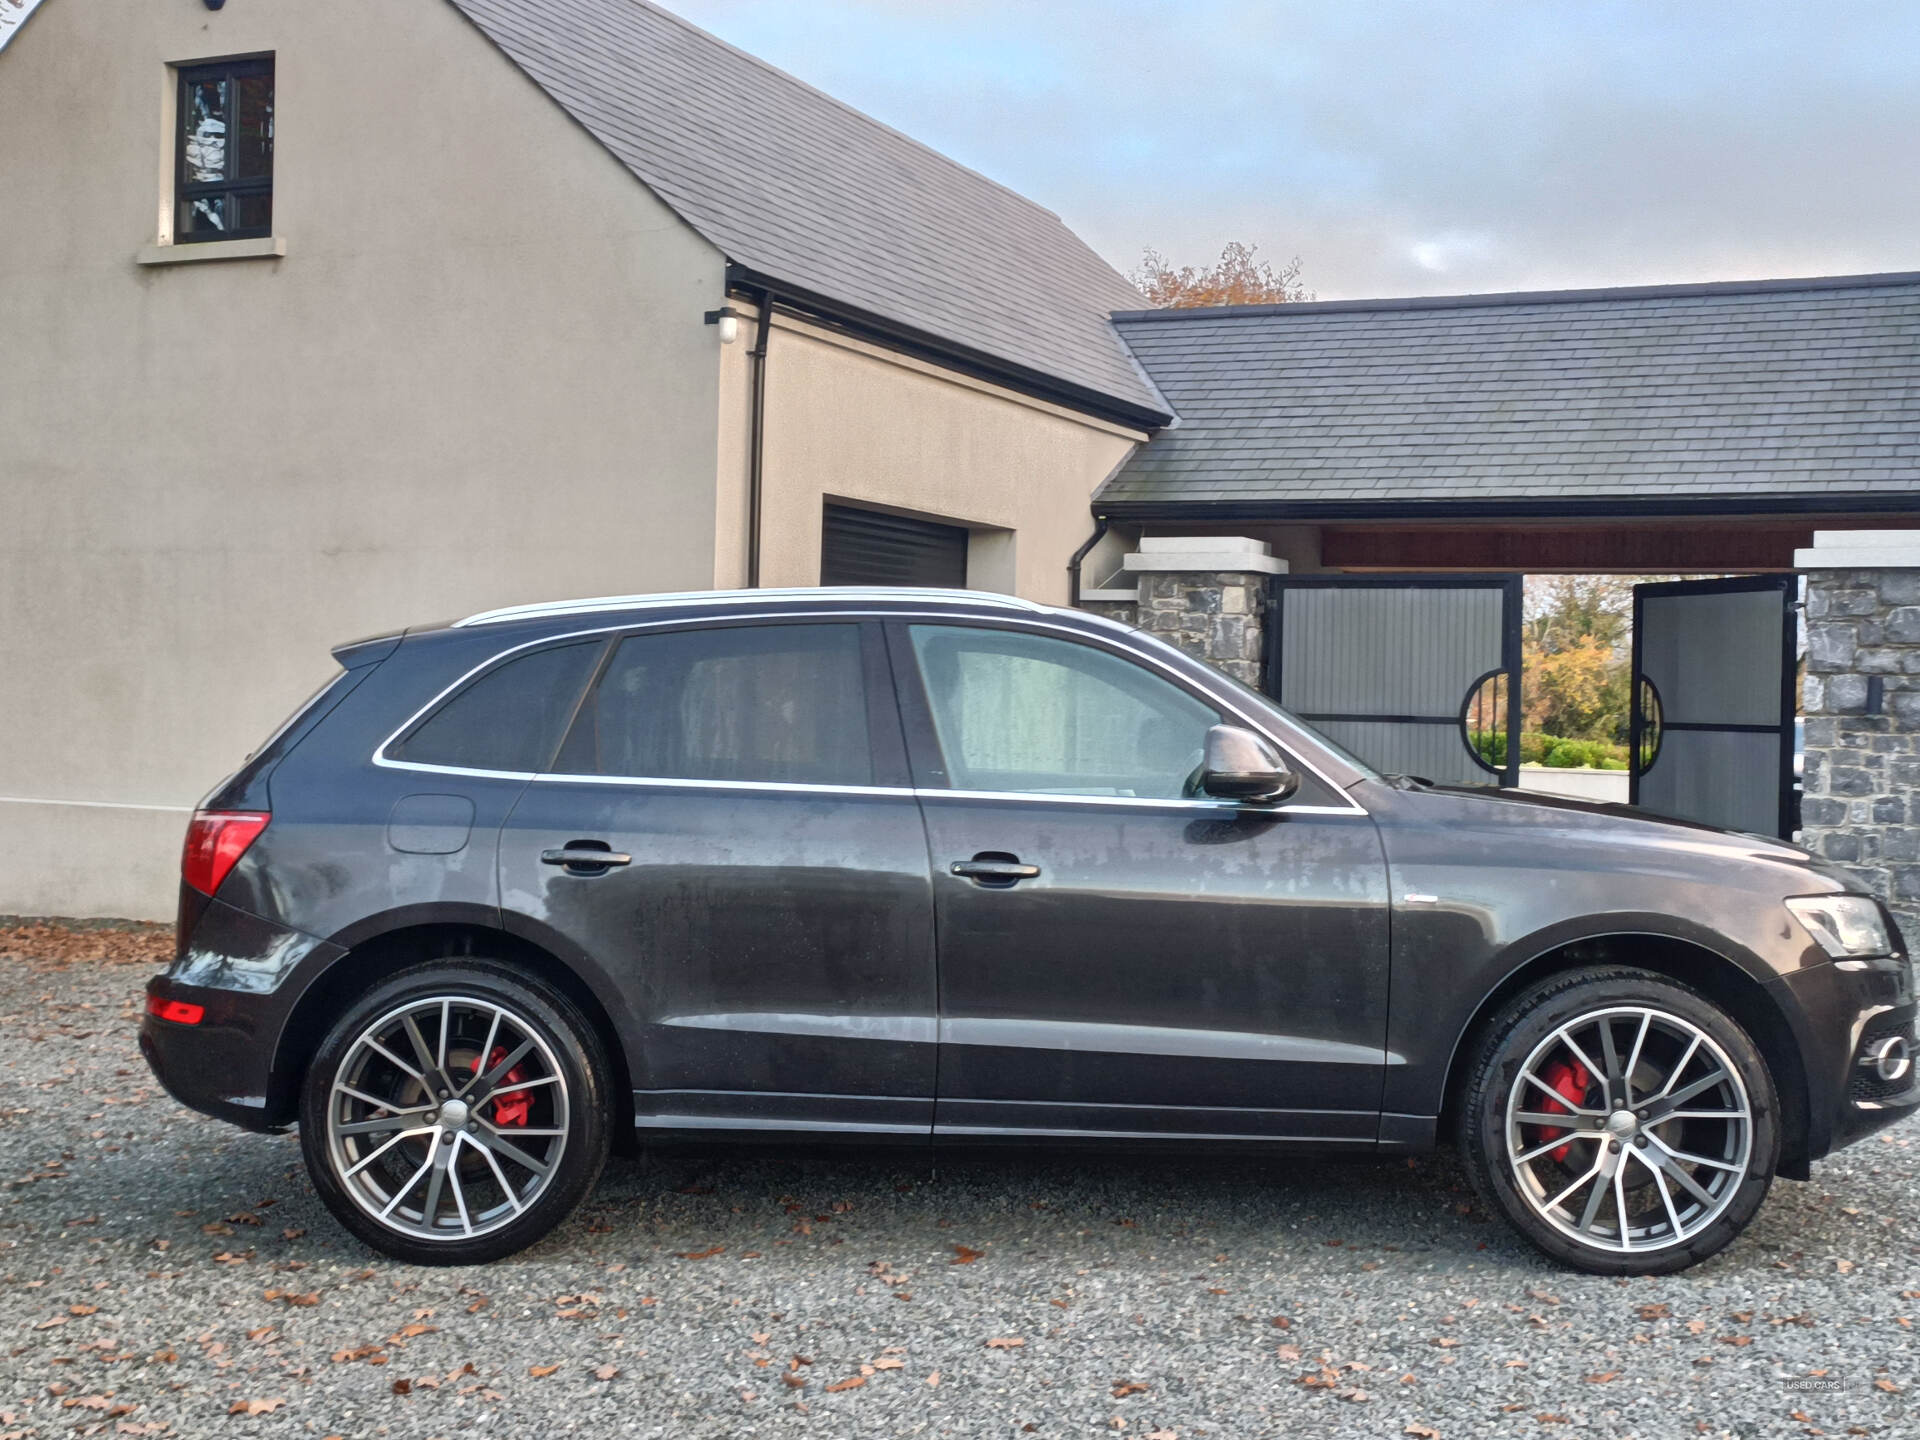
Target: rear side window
[
  {"x": 511, "y": 718},
  {"x": 768, "y": 704}
]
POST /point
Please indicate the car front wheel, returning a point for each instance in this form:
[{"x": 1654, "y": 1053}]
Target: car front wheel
[
  {"x": 457, "y": 1113},
  {"x": 1624, "y": 1123}
]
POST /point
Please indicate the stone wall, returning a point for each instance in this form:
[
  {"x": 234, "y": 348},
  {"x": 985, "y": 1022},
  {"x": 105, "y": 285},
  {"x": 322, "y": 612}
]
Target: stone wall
[
  {"x": 1216, "y": 615},
  {"x": 1862, "y": 705}
]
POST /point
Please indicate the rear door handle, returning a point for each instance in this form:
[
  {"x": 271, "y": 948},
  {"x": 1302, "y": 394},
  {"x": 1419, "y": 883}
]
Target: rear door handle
[
  {"x": 994, "y": 872},
  {"x": 587, "y": 859}
]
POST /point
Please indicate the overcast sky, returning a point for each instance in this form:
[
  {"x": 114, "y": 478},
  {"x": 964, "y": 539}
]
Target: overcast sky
[{"x": 1407, "y": 148}]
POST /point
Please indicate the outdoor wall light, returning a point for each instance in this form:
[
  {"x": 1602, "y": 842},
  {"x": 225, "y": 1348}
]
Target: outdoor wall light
[
  {"x": 728, "y": 319},
  {"x": 215, "y": 4}
]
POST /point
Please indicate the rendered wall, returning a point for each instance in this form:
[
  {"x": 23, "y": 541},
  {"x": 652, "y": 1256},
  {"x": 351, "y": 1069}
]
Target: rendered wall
[
  {"x": 479, "y": 376},
  {"x": 849, "y": 422}
]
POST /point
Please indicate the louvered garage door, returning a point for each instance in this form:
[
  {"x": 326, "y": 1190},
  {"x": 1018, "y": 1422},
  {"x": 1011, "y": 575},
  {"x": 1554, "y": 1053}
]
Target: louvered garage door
[
  {"x": 865, "y": 547},
  {"x": 1406, "y": 671}
]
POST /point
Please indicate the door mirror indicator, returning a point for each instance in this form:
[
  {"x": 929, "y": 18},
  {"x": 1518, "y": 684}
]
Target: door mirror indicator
[{"x": 1241, "y": 765}]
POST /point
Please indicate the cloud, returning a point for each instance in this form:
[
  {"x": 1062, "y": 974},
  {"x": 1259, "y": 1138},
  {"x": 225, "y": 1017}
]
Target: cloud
[{"x": 1401, "y": 147}]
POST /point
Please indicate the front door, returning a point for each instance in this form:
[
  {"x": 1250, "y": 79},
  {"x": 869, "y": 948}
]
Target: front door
[
  {"x": 1711, "y": 730},
  {"x": 1119, "y": 956},
  {"x": 767, "y": 904}
]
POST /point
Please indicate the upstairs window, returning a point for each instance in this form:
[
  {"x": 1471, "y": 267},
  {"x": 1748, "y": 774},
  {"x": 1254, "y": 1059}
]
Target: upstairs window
[{"x": 224, "y": 174}]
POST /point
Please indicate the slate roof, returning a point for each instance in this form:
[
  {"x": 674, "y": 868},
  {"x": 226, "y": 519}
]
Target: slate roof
[
  {"x": 1784, "y": 394},
  {"x": 798, "y": 188}
]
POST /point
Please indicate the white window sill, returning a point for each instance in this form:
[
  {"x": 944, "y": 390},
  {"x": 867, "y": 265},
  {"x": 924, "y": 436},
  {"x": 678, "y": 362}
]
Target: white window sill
[{"x": 264, "y": 247}]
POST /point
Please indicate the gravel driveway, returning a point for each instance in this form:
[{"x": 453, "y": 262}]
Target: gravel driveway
[{"x": 162, "y": 1274}]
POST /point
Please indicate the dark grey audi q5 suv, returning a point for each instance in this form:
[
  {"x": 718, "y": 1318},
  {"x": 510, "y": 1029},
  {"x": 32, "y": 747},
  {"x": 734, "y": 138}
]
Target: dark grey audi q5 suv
[{"x": 925, "y": 866}]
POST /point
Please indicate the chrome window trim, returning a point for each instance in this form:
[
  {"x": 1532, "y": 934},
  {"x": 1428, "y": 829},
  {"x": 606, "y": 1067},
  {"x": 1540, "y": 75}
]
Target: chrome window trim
[
  {"x": 663, "y": 600},
  {"x": 1117, "y": 641}
]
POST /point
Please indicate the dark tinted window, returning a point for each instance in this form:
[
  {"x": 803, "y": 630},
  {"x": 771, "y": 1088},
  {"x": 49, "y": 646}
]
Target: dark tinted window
[
  {"x": 771, "y": 703},
  {"x": 511, "y": 718},
  {"x": 224, "y": 189}
]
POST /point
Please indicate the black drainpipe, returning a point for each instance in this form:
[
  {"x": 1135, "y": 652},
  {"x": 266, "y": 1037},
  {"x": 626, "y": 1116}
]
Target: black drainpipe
[
  {"x": 756, "y": 433},
  {"x": 1100, "y": 525}
]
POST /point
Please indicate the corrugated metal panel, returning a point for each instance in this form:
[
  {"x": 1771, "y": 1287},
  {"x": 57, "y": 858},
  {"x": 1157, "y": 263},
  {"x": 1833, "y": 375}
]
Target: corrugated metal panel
[
  {"x": 1384, "y": 669},
  {"x": 1387, "y": 651},
  {"x": 1716, "y": 653},
  {"x": 866, "y": 547}
]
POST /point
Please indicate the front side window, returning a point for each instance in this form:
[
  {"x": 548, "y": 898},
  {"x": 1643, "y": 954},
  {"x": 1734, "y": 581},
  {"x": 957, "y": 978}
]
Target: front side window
[
  {"x": 765, "y": 704},
  {"x": 1031, "y": 714},
  {"x": 224, "y": 184},
  {"x": 510, "y": 718}
]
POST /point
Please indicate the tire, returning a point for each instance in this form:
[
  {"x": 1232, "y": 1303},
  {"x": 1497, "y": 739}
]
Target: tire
[
  {"x": 1547, "y": 1052},
  {"x": 461, "y": 1183}
]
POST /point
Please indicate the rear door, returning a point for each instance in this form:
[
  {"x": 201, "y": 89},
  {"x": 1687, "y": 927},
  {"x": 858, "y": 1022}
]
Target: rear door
[
  {"x": 765, "y": 911},
  {"x": 1711, "y": 731},
  {"x": 1415, "y": 674}
]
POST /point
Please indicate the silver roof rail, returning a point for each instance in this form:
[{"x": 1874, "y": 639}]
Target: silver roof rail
[{"x": 743, "y": 597}]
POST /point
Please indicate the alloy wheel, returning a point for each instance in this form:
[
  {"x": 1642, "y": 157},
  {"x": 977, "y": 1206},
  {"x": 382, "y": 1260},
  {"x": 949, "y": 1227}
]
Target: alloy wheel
[
  {"x": 447, "y": 1118},
  {"x": 1629, "y": 1129}
]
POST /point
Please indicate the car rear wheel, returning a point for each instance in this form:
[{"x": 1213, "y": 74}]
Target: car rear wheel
[
  {"x": 457, "y": 1113},
  {"x": 1624, "y": 1123}
]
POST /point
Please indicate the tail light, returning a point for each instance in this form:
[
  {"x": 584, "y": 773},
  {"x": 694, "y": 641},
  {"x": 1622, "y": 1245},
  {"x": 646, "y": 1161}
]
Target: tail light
[
  {"x": 216, "y": 839},
  {"x": 180, "y": 1012}
]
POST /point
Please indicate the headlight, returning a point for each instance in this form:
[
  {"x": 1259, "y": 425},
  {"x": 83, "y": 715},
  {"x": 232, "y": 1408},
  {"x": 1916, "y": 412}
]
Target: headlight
[{"x": 1845, "y": 925}]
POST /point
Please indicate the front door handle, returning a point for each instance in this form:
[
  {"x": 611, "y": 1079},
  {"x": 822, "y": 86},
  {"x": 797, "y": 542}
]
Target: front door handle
[
  {"x": 994, "y": 870},
  {"x": 583, "y": 858}
]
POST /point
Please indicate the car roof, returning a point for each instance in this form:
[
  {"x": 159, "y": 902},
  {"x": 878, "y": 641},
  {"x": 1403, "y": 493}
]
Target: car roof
[{"x": 721, "y": 601}]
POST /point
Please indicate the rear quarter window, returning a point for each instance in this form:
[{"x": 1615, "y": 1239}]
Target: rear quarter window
[{"x": 509, "y": 718}]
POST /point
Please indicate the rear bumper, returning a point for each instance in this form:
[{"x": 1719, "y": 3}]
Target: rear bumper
[
  {"x": 219, "y": 1066},
  {"x": 237, "y": 967}
]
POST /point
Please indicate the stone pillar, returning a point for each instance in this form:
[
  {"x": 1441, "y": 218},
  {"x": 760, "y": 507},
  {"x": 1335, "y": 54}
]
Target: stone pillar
[
  {"x": 1205, "y": 593},
  {"x": 1861, "y": 807}
]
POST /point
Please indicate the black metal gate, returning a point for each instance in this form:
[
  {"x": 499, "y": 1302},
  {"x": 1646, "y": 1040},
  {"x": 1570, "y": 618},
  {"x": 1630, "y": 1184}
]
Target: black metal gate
[
  {"x": 1711, "y": 730},
  {"x": 1415, "y": 674}
]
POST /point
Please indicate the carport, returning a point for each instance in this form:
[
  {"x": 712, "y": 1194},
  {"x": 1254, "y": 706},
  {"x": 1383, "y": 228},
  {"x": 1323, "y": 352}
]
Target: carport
[{"x": 1353, "y": 490}]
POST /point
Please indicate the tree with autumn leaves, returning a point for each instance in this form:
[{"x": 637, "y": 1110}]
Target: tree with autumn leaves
[
  {"x": 1238, "y": 277},
  {"x": 1575, "y": 659}
]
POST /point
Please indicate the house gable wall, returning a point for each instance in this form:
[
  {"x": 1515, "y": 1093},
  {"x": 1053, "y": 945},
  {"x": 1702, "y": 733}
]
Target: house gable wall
[{"x": 479, "y": 376}]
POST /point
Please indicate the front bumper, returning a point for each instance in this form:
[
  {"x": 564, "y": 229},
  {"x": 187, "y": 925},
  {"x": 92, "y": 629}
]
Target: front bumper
[{"x": 1848, "y": 1008}]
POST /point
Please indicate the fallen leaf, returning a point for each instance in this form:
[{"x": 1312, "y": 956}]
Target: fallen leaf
[
  {"x": 1655, "y": 1312},
  {"x": 606, "y": 1372},
  {"x": 292, "y": 1232},
  {"x": 796, "y": 1381},
  {"x": 1006, "y": 1342},
  {"x": 409, "y": 1332},
  {"x": 889, "y": 1362},
  {"x": 540, "y": 1372},
  {"x": 1422, "y": 1432},
  {"x": 403, "y": 1387},
  {"x": 701, "y": 1254},
  {"x": 1887, "y": 1385},
  {"x": 82, "y": 1309},
  {"x": 965, "y": 1255},
  {"x": 254, "y": 1407},
  {"x": 934, "y": 1379},
  {"x": 1124, "y": 1388},
  {"x": 1605, "y": 1377},
  {"x": 852, "y": 1382}
]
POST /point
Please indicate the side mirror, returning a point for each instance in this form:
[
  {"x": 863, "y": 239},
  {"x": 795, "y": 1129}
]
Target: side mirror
[{"x": 1241, "y": 765}]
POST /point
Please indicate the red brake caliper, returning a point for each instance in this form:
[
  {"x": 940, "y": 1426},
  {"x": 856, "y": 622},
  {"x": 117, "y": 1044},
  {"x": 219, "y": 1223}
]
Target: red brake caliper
[
  {"x": 509, "y": 1106},
  {"x": 1568, "y": 1079}
]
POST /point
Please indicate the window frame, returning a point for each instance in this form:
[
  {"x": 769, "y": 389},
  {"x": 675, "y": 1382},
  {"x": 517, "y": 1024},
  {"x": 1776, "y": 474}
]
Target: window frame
[
  {"x": 886, "y": 743},
  {"x": 930, "y": 773},
  {"x": 232, "y": 70}
]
